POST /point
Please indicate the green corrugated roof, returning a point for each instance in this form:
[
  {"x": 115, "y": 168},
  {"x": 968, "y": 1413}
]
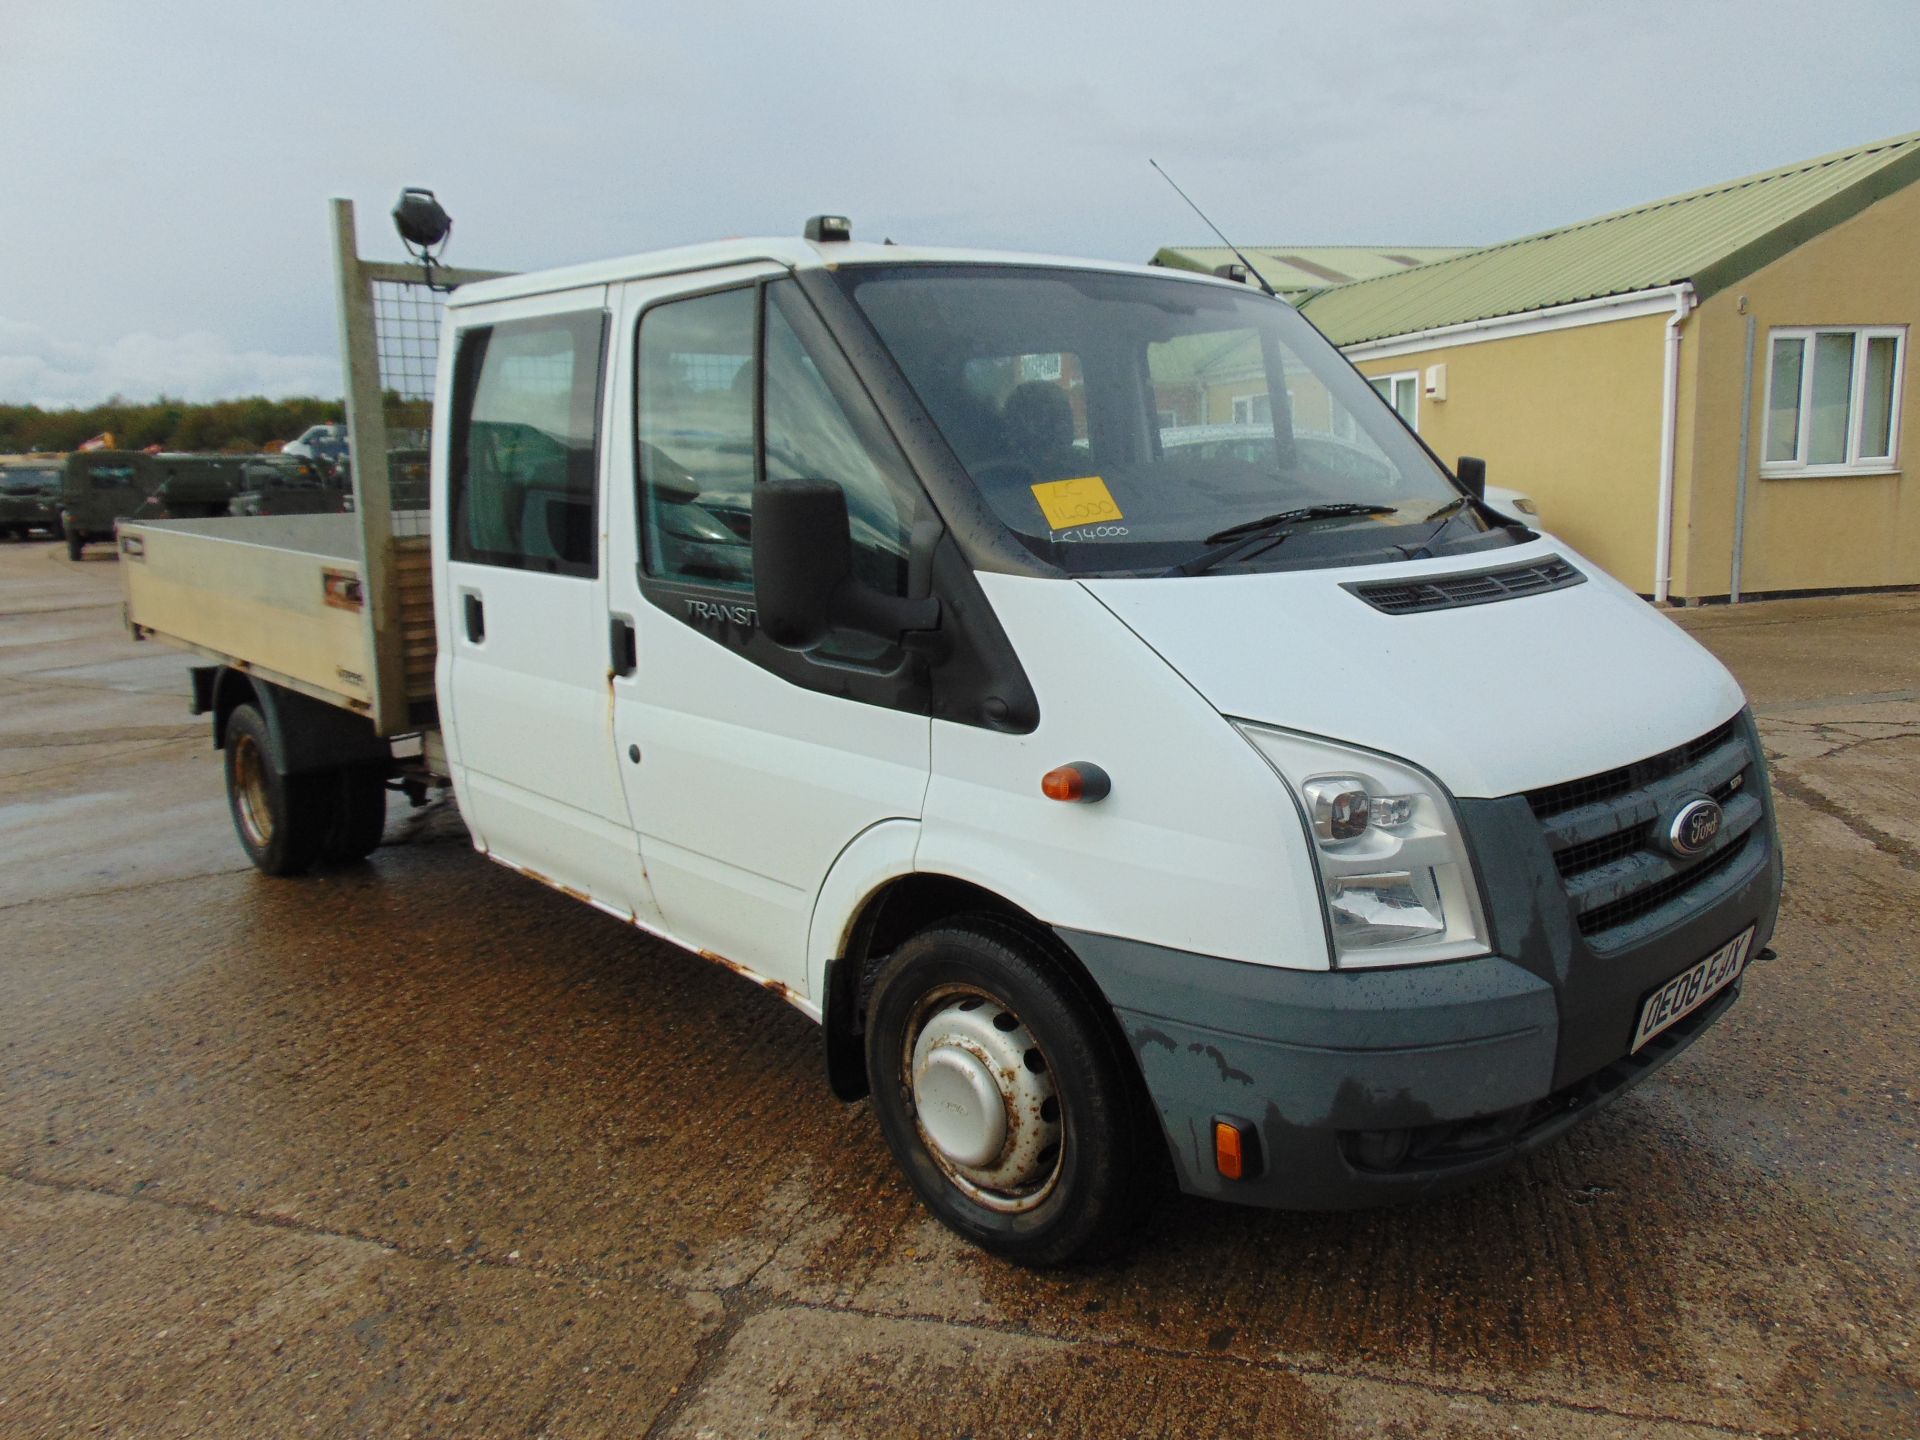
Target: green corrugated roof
[
  {"x": 1711, "y": 237},
  {"x": 1296, "y": 270}
]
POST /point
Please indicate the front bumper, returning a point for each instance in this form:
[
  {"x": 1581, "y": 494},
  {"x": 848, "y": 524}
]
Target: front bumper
[{"x": 1371, "y": 1086}]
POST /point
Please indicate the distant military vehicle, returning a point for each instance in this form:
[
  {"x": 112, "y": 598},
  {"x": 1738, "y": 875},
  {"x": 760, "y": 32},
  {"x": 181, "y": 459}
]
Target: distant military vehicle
[
  {"x": 288, "y": 485},
  {"x": 98, "y": 488},
  {"x": 30, "y": 497}
]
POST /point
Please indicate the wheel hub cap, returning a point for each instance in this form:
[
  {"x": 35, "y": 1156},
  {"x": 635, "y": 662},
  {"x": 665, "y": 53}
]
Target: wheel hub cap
[
  {"x": 984, "y": 1098},
  {"x": 962, "y": 1109}
]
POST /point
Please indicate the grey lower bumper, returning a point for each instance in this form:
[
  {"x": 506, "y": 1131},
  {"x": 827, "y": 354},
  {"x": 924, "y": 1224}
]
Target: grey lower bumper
[{"x": 1364, "y": 1087}]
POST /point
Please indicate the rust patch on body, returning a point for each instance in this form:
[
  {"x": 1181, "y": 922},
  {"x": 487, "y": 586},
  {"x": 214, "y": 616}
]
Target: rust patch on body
[{"x": 778, "y": 987}]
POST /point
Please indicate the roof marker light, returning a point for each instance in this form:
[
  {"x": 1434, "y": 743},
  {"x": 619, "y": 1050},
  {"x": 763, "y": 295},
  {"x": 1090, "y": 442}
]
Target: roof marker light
[{"x": 828, "y": 227}]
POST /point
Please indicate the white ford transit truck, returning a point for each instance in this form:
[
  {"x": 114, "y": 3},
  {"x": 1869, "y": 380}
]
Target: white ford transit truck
[{"x": 1069, "y": 683}]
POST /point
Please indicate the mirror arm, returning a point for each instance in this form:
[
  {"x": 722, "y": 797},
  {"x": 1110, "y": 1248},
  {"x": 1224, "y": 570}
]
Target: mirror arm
[{"x": 859, "y": 606}]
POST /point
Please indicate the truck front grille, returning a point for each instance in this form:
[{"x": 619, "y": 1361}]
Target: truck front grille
[{"x": 1605, "y": 834}]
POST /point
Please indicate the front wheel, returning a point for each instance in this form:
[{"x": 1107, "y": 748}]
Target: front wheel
[{"x": 1002, "y": 1094}]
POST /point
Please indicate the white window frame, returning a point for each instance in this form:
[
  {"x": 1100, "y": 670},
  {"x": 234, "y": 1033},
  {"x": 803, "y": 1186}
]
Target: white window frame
[
  {"x": 1393, "y": 382},
  {"x": 1245, "y": 405},
  {"x": 1854, "y": 464}
]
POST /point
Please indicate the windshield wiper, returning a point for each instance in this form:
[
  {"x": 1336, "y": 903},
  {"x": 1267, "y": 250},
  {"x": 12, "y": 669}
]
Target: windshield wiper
[
  {"x": 1446, "y": 515},
  {"x": 1235, "y": 538}
]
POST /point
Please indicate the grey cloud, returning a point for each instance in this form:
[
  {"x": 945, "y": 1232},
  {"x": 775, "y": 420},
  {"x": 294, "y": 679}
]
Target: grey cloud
[
  {"x": 38, "y": 369},
  {"x": 183, "y": 192}
]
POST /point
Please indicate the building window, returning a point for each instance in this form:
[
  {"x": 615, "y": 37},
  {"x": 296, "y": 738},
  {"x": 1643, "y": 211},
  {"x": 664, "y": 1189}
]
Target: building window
[
  {"x": 1833, "y": 400},
  {"x": 1253, "y": 410},
  {"x": 1402, "y": 392}
]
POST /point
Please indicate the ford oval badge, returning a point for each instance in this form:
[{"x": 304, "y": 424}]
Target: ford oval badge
[{"x": 1694, "y": 827}]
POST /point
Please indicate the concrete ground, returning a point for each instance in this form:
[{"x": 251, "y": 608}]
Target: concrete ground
[{"x": 421, "y": 1148}]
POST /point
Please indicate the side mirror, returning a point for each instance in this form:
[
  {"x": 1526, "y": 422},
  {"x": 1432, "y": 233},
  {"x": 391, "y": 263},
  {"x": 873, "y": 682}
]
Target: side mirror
[
  {"x": 1471, "y": 472},
  {"x": 803, "y": 580}
]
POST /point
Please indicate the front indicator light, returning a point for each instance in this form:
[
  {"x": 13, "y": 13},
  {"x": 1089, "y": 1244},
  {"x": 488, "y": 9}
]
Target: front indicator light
[{"x": 1386, "y": 909}]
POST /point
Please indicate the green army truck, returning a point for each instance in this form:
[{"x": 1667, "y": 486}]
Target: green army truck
[
  {"x": 98, "y": 489},
  {"x": 288, "y": 485},
  {"x": 30, "y": 496},
  {"x": 194, "y": 487},
  {"x": 102, "y": 487}
]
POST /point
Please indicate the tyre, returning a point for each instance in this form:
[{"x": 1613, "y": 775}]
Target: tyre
[
  {"x": 1003, "y": 1095},
  {"x": 281, "y": 819},
  {"x": 75, "y": 544},
  {"x": 359, "y": 813}
]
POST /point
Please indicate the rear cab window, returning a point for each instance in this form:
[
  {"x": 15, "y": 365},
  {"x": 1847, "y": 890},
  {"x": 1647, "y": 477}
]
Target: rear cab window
[{"x": 525, "y": 441}]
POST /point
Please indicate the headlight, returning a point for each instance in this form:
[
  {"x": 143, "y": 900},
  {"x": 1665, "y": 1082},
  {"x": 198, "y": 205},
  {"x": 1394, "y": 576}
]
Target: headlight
[{"x": 1394, "y": 874}]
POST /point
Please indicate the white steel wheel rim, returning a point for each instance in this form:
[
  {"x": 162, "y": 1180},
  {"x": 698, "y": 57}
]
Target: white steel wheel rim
[
  {"x": 983, "y": 1099},
  {"x": 250, "y": 791}
]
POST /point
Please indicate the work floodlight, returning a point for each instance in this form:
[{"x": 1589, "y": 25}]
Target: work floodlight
[{"x": 422, "y": 222}]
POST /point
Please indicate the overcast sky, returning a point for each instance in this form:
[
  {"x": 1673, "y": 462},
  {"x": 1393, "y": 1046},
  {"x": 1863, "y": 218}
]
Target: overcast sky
[{"x": 162, "y": 200}]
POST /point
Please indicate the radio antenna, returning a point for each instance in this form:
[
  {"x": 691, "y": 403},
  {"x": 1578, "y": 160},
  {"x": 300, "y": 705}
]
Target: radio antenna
[{"x": 1258, "y": 278}]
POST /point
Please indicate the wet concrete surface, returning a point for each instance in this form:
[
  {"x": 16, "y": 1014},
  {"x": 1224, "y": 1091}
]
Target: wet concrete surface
[{"x": 421, "y": 1148}]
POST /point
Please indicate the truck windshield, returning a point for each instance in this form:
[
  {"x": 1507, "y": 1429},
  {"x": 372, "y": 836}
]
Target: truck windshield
[{"x": 1115, "y": 422}]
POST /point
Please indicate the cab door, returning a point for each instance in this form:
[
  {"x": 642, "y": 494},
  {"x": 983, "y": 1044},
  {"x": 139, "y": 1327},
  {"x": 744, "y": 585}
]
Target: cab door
[
  {"x": 749, "y": 768},
  {"x": 524, "y": 657}
]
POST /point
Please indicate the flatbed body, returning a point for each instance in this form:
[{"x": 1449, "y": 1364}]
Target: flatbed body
[{"x": 280, "y": 597}]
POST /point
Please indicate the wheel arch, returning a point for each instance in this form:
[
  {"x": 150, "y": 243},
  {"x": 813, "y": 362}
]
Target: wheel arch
[
  {"x": 219, "y": 690},
  {"x": 890, "y": 911},
  {"x": 308, "y": 735}
]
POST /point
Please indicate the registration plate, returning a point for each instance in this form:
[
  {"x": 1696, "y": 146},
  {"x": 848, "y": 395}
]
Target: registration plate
[{"x": 1692, "y": 988}]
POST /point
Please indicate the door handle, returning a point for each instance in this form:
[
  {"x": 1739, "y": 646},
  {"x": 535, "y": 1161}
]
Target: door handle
[
  {"x": 624, "y": 641},
  {"x": 475, "y": 611}
]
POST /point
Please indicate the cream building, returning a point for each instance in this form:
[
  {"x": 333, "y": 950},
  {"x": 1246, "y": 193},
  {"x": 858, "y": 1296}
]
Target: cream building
[
  {"x": 1606, "y": 367},
  {"x": 1704, "y": 394}
]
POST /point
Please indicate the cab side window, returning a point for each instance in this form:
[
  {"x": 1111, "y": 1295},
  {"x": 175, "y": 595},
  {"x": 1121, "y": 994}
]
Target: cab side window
[
  {"x": 525, "y": 431},
  {"x": 695, "y": 428},
  {"x": 818, "y": 427},
  {"x": 744, "y": 385}
]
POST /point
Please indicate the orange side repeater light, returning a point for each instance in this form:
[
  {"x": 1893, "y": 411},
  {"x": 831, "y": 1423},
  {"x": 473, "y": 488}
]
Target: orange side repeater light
[{"x": 1078, "y": 783}]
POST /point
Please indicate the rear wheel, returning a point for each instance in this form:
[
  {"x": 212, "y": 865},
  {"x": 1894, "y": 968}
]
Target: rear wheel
[
  {"x": 359, "y": 813},
  {"x": 1002, "y": 1094},
  {"x": 281, "y": 820}
]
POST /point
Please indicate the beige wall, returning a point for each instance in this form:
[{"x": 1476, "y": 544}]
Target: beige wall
[
  {"x": 1802, "y": 534},
  {"x": 1572, "y": 417}
]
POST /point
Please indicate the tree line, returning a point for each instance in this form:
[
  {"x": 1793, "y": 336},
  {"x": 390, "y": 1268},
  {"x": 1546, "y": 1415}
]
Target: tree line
[{"x": 231, "y": 425}]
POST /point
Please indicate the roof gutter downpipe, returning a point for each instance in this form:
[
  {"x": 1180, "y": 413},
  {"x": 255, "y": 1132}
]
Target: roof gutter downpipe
[{"x": 1669, "y": 430}]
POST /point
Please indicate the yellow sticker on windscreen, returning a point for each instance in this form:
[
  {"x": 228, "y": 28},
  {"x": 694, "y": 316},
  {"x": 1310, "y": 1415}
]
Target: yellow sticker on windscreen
[{"x": 1082, "y": 501}]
